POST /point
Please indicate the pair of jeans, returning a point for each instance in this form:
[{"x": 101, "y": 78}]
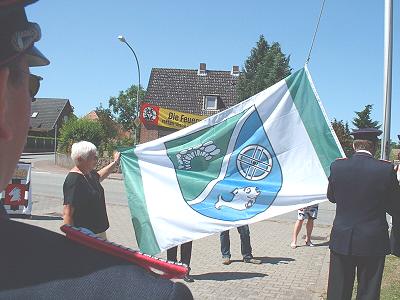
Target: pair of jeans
[{"x": 245, "y": 247}]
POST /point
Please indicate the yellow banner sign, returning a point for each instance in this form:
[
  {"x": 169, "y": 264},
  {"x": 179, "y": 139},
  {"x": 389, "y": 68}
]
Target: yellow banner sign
[{"x": 167, "y": 117}]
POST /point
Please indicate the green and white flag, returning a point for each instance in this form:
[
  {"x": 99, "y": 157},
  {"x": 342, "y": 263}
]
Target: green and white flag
[{"x": 261, "y": 158}]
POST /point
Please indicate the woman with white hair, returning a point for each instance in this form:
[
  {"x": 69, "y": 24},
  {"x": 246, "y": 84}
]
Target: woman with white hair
[{"x": 84, "y": 201}]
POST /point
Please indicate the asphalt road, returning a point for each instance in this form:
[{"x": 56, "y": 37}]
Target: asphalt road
[
  {"x": 49, "y": 185},
  {"x": 47, "y": 192}
]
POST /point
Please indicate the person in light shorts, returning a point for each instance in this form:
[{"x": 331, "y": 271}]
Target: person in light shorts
[{"x": 310, "y": 213}]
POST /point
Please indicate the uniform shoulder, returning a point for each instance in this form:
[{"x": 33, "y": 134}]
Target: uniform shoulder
[
  {"x": 385, "y": 161},
  {"x": 339, "y": 162}
]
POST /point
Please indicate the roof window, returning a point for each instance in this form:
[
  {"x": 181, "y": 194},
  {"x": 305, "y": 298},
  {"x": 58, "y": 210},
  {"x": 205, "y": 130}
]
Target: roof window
[{"x": 210, "y": 102}]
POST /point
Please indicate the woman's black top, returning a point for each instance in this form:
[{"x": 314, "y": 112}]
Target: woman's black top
[{"x": 86, "y": 195}]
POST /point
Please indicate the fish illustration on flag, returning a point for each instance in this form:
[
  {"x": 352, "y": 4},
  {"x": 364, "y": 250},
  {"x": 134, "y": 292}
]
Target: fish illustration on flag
[{"x": 228, "y": 171}]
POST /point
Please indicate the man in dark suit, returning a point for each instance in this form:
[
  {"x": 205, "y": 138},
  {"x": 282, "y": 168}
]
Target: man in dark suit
[
  {"x": 395, "y": 232},
  {"x": 364, "y": 189},
  {"x": 37, "y": 263}
]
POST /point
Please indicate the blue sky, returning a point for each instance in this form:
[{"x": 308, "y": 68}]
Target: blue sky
[{"x": 89, "y": 65}]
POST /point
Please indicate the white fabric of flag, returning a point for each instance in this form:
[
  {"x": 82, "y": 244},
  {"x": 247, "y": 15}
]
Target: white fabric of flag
[{"x": 261, "y": 158}]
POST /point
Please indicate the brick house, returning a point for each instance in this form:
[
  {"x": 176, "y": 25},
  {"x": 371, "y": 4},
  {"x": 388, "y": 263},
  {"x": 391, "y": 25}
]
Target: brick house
[
  {"x": 201, "y": 92},
  {"x": 120, "y": 131}
]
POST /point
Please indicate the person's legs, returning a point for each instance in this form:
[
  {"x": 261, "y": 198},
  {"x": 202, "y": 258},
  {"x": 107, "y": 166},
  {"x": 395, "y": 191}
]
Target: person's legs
[
  {"x": 341, "y": 276},
  {"x": 296, "y": 230},
  {"x": 309, "y": 229},
  {"x": 171, "y": 253},
  {"x": 225, "y": 244},
  {"x": 225, "y": 247},
  {"x": 312, "y": 214},
  {"x": 369, "y": 277},
  {"x": 245, "y": 246},
  {"x": 186, "y": 252}
]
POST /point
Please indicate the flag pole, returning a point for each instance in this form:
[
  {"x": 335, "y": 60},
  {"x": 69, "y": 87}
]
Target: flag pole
[
  {"x": 315, "y": 32},
  {"x": 387, "y": 80}
]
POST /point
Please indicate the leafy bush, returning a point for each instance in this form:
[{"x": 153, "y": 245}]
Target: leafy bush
[{"x": 75, "y": 130}]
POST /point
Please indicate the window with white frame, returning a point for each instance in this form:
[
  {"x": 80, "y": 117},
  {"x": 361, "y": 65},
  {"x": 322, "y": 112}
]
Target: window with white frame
[{"x": 210, "y": 102}]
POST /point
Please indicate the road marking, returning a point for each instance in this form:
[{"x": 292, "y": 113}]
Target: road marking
[{"x": 41, "y": 172}]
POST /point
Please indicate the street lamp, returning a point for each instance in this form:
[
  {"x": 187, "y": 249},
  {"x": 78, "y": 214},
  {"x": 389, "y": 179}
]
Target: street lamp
[{"x": 122, "y": 40}]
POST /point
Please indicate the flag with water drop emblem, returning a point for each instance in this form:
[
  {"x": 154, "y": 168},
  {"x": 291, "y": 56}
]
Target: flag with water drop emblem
[{"x": 264, "y": 157}]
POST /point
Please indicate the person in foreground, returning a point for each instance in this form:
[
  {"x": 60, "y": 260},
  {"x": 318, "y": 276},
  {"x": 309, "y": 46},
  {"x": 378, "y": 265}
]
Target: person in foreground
[
  {"x": 84, "y": 201},
  {"x": 395, "y": 232},
  {"x": 36, "y": 263},
  {"x": 364, "y": 189}
]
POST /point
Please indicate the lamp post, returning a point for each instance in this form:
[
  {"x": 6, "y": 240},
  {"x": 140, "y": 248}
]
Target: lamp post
[{"x": 122, "y": 39}]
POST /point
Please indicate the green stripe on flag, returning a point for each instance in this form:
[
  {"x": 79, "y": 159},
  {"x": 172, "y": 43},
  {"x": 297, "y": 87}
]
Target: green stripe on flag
[
  {"x": 137, "y": 203},
  {"x": 313, "y": 118}
]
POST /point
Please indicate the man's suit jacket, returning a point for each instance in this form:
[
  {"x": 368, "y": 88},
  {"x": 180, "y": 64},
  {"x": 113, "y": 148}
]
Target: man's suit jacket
[
  {"x": 364, "y": 189},
  {"x": 39, "y": 264},
  {"x": 395, "y": 236},
  {"x": 395, "y": 232}
]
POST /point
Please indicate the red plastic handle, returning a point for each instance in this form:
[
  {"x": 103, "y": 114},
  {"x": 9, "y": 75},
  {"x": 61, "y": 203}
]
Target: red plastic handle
[{"x": 161, "y": 267}]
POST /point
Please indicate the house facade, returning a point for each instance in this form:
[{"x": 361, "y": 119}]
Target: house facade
[
  {"x": 47, "y": 116},
  {"x": 119, "y": 130},
  {"x": 201, "y": 92}
]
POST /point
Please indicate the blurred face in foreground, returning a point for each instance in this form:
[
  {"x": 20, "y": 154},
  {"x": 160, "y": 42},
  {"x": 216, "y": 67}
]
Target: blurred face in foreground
[{"x": 15, "y": 110}]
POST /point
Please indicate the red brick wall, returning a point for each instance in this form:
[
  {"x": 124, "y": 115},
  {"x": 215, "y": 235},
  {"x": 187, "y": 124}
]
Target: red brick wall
[{"x": 148, "y": 133}]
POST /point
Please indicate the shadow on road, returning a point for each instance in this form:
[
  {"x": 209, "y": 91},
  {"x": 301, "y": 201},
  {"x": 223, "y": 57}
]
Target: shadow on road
[
  {"x": 224, "y": 276},
  {"x": 276, "y": 260},
  {"x": 324, "y": 244},
  {"x": 45, "y": 218},
  {"x": 269, "y": 260},
  {"x": 35, "y": 217}
]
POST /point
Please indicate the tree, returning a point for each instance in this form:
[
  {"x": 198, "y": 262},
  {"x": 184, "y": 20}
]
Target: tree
[
  {"x": 124, "y": 106},
  {"x": 343, "y": 133},
  {"x": 107, "y": 122},
  {"x": 265, "y": 66},
  {"x": 75, "y": 130},
  {"x": 363, "y": 119}
]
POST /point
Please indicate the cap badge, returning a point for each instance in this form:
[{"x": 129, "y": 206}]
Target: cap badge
[{"x": 22, "y": 40}]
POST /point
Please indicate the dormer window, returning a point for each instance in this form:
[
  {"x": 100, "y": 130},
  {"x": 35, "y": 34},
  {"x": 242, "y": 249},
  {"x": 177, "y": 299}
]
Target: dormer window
[
  {"x": 34, "y": 114},
  {"x": 210, "y": 102}
]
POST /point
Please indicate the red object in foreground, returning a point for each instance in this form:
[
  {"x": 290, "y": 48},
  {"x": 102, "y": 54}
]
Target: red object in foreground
[{"x": 161, "y": 267}]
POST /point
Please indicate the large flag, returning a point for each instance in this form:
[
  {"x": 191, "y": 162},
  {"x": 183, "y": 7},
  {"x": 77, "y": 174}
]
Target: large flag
[{"x": 261, "y": 158}]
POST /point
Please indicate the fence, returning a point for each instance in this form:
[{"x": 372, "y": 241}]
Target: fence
[
  {"x": 39, "y": 144},
  {"x": 65, "y": 161}
]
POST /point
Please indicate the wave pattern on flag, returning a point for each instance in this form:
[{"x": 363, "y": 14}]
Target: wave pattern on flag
[{"x": 261, "y": 158}]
